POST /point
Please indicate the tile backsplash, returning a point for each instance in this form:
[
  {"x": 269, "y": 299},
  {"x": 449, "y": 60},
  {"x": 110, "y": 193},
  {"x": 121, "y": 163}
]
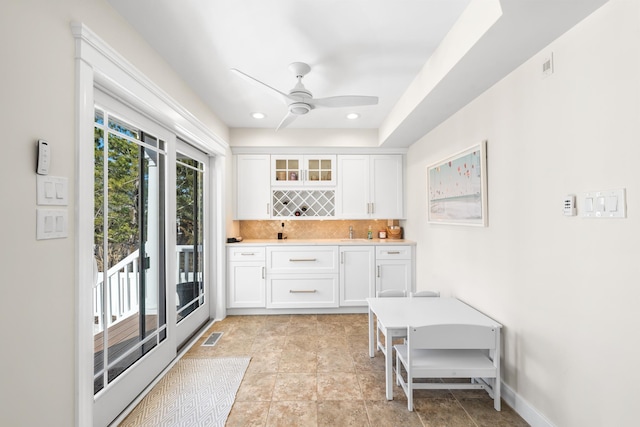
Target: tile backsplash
[{"x": 312, "y": 229}]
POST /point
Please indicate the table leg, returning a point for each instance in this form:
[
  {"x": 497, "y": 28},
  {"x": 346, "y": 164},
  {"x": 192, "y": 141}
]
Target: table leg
[
  {"x": 372, "y": 344},
  {"x": 388, "y": 358}
]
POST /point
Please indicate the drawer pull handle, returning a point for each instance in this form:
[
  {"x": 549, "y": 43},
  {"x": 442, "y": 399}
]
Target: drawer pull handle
[
  {"x": 312, "y": 291},
  {"x": 247, "y": 253},
  {"x": 302, "y": 259},
  {"x": 393, "y": 252}
]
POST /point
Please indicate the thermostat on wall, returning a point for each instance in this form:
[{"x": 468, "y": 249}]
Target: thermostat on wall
[{"x": 569, "y": 207}]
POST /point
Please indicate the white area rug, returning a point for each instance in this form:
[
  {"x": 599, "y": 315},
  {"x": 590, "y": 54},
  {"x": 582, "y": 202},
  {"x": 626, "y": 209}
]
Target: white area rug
[{"x": 195, "y": 392}]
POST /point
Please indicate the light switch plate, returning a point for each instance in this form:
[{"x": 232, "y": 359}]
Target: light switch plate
[
  {"x": 51, "y": 224},
  {"x": 52, "y": 190},
  {"x": 605, "y": 204}
]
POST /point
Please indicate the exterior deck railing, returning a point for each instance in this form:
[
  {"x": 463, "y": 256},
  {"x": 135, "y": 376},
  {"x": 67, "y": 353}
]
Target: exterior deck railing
[{"x": 123, "y": 289}]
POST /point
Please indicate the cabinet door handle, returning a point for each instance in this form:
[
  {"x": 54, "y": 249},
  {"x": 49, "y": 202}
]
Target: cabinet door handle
[
  {"x": 373, "y": 207},
  {"x": 378, "y": 268},
  {"x": 311, "y": 291},
  {"x": 263, "y": 272},
  {"x": 393, "y": 252},
  {"x": 267, "y": 208},
  {"x": 341, "y": 257},
  {"x": 368, "y": 208},
  {"x": 302, "y": 259}
]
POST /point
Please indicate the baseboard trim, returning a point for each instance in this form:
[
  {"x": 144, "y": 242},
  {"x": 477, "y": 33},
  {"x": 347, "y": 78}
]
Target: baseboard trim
[{"x": 530, "y": 414}]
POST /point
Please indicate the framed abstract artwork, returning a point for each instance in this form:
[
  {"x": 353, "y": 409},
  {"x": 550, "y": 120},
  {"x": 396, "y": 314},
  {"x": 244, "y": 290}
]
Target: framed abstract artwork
[{"x": 457, "y": 188}]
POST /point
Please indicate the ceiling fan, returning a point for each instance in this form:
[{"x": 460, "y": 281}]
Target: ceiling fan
[{"x": 300, "y": 100}]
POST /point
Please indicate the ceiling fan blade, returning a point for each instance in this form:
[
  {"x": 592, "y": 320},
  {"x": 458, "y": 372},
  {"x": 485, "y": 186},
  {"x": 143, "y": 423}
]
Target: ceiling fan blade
[
  {"x": 253, "y": 80},
  {"x": 288, "y": 119},
  {"x": 344, "y": 101}
]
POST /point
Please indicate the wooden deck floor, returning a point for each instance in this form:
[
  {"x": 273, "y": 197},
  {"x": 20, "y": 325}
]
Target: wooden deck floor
[{"x": 123, "y": 330}]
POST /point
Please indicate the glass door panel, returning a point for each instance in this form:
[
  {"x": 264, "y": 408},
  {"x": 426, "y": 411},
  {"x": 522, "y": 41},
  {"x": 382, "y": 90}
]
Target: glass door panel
[
  {"x": 319, "y": 170},
  {"x": 192, "y": 297},
  {"x": 189, "y": 236},
  {"x": 287, "y": 170},
  {"x": 130, "y": 310}
]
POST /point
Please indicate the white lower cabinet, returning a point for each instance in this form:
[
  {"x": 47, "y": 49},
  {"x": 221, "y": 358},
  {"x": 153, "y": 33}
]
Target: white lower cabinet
[
  {"x": 315, "y": 276},
  {"x": 302, "y": 277},
  {"x": 246, "y": 277},
  {"x": 357, "y": 275},
  {"x": 394, "y": 268},
  {"x": 302, "y": 291}
]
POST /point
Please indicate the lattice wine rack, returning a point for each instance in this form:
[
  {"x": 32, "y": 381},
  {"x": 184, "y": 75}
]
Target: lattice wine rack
[{"x": 304, "y": 203}]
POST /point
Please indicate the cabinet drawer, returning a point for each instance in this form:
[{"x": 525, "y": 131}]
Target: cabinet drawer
[
  {"x": 246, "y": 253},
  {"x": 318, "y": 290},
  {"x": 393, "y": 252},
  {"x": 301, "y": 259}
]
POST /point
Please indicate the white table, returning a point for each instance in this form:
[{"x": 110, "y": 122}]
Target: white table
[{"x": 396, "y": 314}]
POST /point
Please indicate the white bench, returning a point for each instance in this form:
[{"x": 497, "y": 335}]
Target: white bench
[{"x": 450, "y": 351}]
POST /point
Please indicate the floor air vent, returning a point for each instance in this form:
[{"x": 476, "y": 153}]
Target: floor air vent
[{"x": 213, "y": 339}]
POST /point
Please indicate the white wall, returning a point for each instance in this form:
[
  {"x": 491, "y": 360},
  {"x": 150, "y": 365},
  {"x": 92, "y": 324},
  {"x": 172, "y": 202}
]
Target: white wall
[
  {"x": 250, "y": 137},
  {"x": 37, "y": 88},
  {"x": 565, "y": 288}
]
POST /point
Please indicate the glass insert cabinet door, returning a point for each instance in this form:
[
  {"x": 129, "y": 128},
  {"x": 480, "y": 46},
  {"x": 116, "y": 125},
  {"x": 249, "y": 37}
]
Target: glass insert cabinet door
[{"x": 308, "y": 170}]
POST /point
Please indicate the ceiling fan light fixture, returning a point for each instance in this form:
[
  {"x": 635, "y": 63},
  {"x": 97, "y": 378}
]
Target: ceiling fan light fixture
[
  {"x": 258, "y": 115},
  {"x": 353, "y": 116},
  {"x": 299, "y": 108}
]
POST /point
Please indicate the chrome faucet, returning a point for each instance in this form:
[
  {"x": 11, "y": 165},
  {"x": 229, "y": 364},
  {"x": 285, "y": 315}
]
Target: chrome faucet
[{"x": 351, "y": 232}]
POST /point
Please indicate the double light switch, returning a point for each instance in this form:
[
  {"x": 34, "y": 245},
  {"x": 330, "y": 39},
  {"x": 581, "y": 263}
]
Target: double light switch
[{"x": 52, "y": 191}]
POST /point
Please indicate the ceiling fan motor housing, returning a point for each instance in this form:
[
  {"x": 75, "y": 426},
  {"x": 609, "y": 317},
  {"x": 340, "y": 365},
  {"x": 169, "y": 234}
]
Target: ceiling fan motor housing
[{"x": 299, "y": 108}]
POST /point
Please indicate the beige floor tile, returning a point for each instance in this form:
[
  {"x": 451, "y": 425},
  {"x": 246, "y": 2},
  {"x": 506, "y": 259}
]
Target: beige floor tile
[
  {"x": 365, "y": 363},
  {"x": 342, "y": 413},
  {"x": 301, "y": 343},
  {"x": 385, "y": 413},
  {"x": 338, "y": 386},
  {"x": 291, "y": 387},
  {"x": 315, "y": 370},
  {"x": 298, "y": 362},
  {"x": 484, "y": 414},
  {"x": 337, "y": 342},
  {"x": 248, "y": 414},
  {"x": 302, "y": 328},
  {"x": 293, "y": 414},
  {"x": 268, "y": 343},
  {"x": 331, "y": 360},
  {"x": 331, "y": 329},
  {"x": 274, "y": 329},
  {"x": 256, "y": 387},
  {"x": 264, "y": 362},
  {"x": 442, "y": 413}
]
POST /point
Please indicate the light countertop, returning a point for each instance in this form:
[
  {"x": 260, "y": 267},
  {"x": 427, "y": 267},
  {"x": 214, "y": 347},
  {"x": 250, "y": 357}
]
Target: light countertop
[{"x": 325, "y": 242}]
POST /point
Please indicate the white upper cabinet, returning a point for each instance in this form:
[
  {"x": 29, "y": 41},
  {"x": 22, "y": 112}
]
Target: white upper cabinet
[
  {"x": 370, "y": 186},
  {"x": 386, "y": 186},
  {"x": 308, "y": 170},
  {"x": 253, "y": 190}
]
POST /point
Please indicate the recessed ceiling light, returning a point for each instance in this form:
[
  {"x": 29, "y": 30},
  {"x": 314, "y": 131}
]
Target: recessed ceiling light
[
  {"x": 258, "y": 115},
  {"x": 353, "y": 116}
]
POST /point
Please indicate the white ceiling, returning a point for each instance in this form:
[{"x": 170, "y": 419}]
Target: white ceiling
[{"x": 354, "y": 47}]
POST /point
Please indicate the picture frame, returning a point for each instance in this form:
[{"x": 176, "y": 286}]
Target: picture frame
[{"x": 457, "y": 188}]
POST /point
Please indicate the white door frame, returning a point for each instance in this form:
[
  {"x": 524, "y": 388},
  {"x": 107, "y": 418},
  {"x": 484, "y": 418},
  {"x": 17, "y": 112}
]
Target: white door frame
[{"x": 97, "y": 64}]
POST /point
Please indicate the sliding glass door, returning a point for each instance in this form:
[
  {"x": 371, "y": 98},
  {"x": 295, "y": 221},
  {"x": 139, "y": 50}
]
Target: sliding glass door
[
  {"x": 192, "y": 297},
  {"x": 132, "y": 344}
]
